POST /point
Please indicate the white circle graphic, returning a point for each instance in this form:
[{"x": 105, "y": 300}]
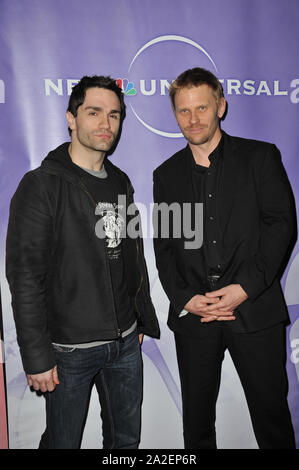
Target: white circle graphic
[
  {"x": 156, "y": 131},
  {"x": 151, "y": 43},
  {"x": 172, "y": 38}
]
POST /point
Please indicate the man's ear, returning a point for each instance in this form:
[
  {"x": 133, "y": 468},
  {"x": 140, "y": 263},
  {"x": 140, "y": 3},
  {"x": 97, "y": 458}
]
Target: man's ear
[
  {"x": 71, "y": 120},
  {"x": 221, "y": 107}
]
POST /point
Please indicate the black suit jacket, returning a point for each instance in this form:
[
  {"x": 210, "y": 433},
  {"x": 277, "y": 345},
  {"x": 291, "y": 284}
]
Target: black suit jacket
[{"x": 257, "y": 219}]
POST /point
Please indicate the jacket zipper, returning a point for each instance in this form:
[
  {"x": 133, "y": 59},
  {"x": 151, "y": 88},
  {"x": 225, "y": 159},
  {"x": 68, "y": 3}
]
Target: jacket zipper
[
  {"x": 119, "y": 333},
  {"x": 141, "y": 275},
  {"x": 141, "y": 280}
]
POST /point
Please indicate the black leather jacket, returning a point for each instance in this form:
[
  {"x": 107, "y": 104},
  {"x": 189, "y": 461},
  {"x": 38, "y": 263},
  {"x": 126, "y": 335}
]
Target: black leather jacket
[{"x": 57, "y": 268}]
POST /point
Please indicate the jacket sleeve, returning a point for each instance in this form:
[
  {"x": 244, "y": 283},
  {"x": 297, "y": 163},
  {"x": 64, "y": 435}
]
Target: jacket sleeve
[
  {"x": 28, "y": 251},
  {"x": 175, "y": 287},
  {"x": 277, "y": 226}
]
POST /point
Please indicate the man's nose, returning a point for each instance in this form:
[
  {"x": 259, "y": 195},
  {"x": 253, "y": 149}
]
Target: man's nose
[
  {"x": 194, "y": 117},
  {"x": 104, "y": 122}
]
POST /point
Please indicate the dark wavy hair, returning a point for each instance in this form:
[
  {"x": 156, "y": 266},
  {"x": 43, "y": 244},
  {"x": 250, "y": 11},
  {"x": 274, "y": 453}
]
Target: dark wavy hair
[{"x": 97, "y": 81}]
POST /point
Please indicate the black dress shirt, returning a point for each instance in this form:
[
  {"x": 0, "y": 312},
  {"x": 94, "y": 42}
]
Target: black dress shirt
[{"x": 206, "y": 187}]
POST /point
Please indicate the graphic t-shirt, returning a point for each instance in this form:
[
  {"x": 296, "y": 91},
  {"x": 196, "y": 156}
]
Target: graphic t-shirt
[{"x": 105, "y": 188}]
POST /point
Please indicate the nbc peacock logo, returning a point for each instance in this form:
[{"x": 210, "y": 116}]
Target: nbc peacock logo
[{"x": 126, "y": 86}]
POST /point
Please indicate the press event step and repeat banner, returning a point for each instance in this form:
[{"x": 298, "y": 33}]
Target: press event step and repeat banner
[{"x": 46, "y": 46}]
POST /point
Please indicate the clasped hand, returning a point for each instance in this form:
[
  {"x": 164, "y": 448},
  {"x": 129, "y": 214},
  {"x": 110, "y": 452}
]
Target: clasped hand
[{"x": 218, "y": 305}]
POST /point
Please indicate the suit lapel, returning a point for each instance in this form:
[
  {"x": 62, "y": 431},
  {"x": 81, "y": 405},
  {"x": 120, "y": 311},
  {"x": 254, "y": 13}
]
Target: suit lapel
[
  {"x": 185, "y": 191},
  {"x": 228, "y": 181}
]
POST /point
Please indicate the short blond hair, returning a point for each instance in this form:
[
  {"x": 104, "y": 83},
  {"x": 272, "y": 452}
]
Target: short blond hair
[{"x": 195, "y": 77}]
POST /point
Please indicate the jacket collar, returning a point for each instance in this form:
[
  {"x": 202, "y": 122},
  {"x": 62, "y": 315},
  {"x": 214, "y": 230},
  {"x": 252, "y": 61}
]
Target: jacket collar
[{"x": 59, "y": 163}]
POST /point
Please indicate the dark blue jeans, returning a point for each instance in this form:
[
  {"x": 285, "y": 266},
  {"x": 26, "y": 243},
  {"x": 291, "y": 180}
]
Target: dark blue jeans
[{"x": 117, "y": 367}]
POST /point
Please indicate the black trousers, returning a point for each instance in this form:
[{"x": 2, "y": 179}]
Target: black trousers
[{"x": 259, "y": 359}]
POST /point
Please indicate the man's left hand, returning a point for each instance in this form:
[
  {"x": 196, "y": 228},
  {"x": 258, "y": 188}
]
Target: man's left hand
[{"x": 230, "y": 298}]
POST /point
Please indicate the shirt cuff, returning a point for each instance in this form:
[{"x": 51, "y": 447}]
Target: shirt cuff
[{"x": 183, "y": 313}]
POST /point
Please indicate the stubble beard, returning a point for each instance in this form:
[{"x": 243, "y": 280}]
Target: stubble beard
[
  {"x": 90, "y": 143},
  {"x": 201, "y": 139},
  {"x": 198, "y": 141}
]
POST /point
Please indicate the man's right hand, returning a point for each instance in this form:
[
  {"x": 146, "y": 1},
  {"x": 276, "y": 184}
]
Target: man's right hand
[
  {"x": 199, "y": 303},
  {"x": 45, "y": 382}
]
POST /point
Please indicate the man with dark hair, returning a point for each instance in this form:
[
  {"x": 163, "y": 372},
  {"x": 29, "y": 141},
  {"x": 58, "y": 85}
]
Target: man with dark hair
[
  {"x": 79, "y": 91},
  {"x": 226, "y": 294},
  {"x": 79, "y": 285}
]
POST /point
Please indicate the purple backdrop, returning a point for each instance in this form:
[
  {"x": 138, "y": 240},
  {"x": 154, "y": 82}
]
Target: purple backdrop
[{"x": 46, "y": 46}]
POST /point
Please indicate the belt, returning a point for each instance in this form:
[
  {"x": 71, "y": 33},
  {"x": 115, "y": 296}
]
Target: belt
[{"x": 213, "y": 279}]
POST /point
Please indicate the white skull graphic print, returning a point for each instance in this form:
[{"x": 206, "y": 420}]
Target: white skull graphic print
[{"x": 110, "y": 226}]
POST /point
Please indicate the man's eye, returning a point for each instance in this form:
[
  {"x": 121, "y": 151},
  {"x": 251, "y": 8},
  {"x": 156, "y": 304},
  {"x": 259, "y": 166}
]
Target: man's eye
[
  {"x": 92, "y": 113},
  {"x": 114, "y": 116}
]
